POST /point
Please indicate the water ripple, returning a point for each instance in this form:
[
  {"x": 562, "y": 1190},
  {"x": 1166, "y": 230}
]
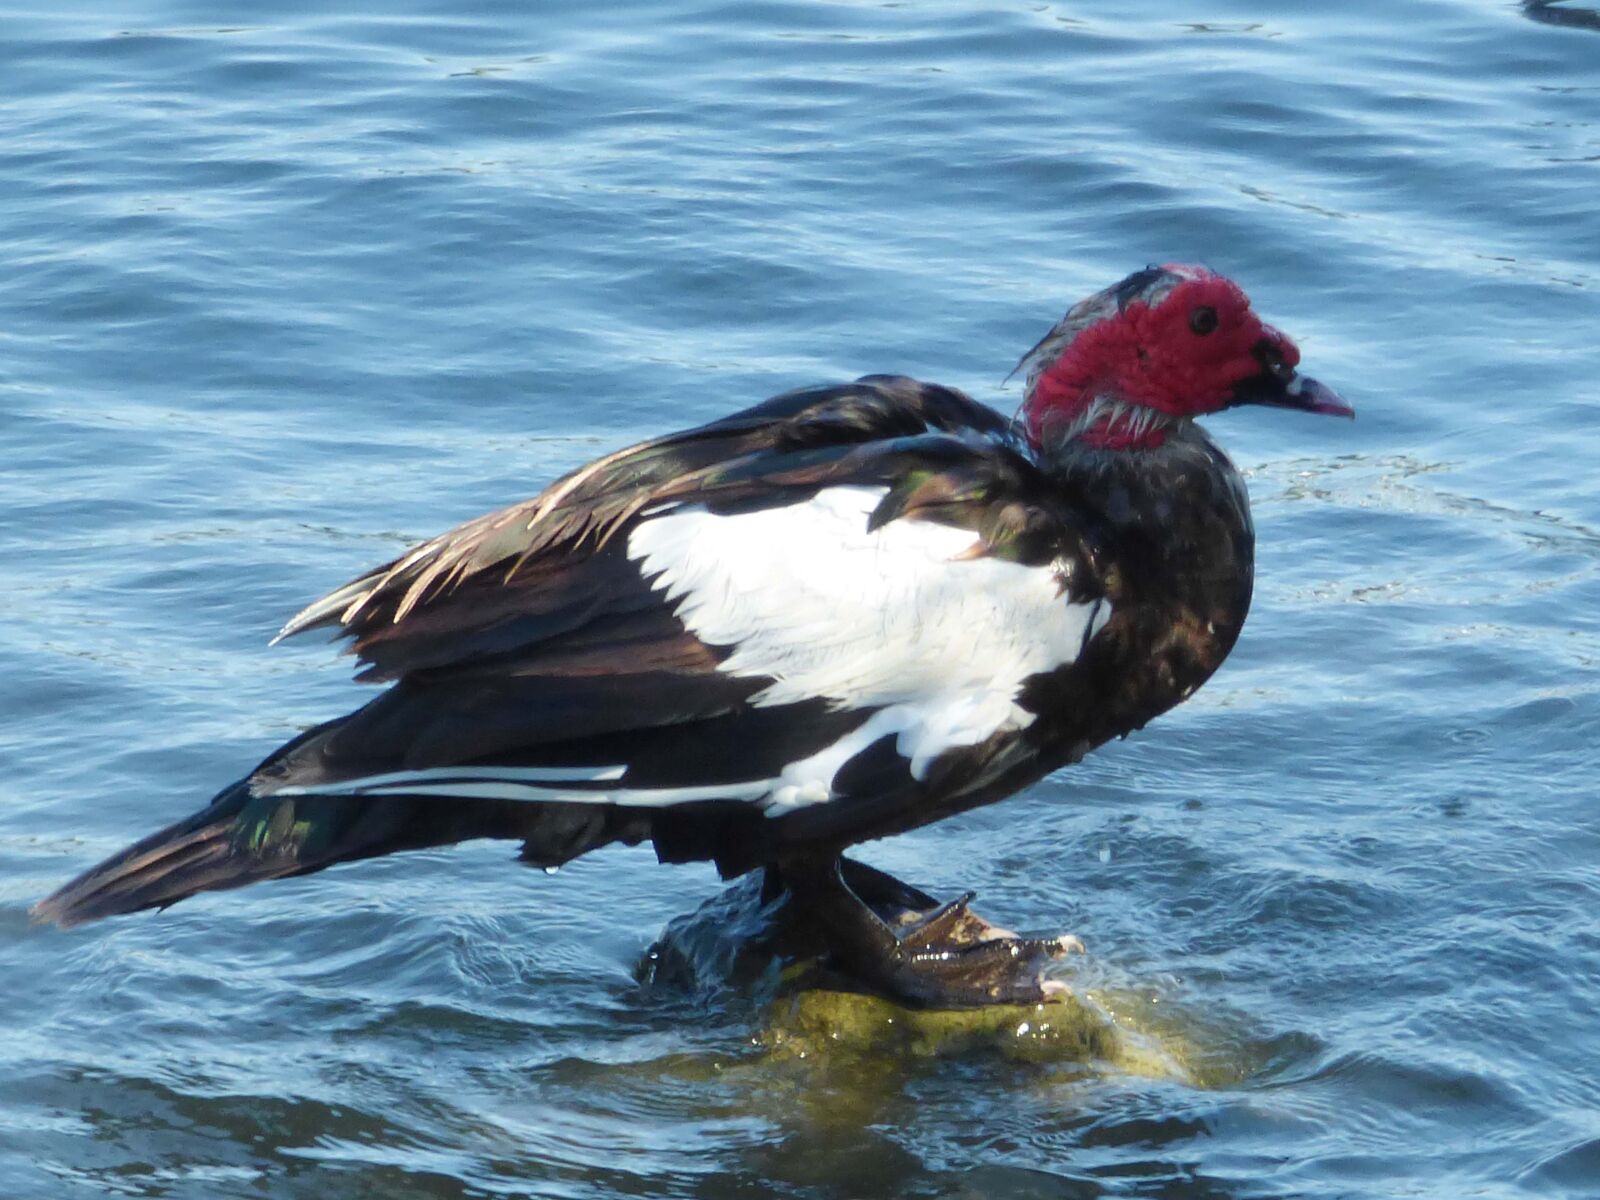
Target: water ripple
[{"x": 288, "y": 288}]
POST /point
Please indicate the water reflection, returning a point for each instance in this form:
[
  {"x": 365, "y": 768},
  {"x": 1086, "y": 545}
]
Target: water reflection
[{"x": 1555, "y": 12}]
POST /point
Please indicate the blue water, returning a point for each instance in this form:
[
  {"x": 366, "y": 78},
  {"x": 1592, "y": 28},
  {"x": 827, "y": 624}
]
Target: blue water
[{"x": 281, "y": 291}]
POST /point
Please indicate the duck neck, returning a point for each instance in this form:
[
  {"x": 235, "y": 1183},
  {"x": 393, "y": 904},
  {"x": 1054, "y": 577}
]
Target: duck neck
[{"x": 1105, "y": 422}]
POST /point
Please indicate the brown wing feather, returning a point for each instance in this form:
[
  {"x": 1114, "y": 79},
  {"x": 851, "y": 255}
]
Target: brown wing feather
[{"x": 585, "y": 508}]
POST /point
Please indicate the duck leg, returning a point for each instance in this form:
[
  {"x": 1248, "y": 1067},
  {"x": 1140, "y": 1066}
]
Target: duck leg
[{"x": 899, "y": 940}]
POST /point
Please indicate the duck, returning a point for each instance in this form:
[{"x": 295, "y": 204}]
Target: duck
[{"x": 842, "y": 614}]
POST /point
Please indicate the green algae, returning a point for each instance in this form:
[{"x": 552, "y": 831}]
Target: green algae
[{"x": 1072, "y": 1030}]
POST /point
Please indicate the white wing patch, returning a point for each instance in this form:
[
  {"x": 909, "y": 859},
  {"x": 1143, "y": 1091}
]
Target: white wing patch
[
  {"x": 806, "y": 596},
  {"x": 889, "y": 618}
]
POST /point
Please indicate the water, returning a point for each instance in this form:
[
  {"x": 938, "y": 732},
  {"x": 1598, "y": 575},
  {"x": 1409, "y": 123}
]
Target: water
[{"x": 285, "y": 290}]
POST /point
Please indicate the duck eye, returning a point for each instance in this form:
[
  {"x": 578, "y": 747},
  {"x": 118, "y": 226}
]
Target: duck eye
[{"x": 1203, "y": 319}]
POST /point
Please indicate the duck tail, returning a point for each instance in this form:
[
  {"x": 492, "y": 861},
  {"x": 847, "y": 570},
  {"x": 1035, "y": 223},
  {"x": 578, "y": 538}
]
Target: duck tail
[
  {"x": 195, "y": 854},
  {"x": 243, "y": 838}
]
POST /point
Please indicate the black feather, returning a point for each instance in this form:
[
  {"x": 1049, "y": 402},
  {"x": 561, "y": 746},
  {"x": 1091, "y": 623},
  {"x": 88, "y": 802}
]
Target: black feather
[{"x": 529, "y": 637}]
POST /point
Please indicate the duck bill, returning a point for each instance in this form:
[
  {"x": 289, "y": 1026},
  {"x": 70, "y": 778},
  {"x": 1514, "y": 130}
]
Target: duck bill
[{"x": 1289, "y": 389}]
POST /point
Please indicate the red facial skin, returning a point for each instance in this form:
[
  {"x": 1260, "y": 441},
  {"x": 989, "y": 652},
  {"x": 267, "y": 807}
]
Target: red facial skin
[{"x": 1152, "y": 357}]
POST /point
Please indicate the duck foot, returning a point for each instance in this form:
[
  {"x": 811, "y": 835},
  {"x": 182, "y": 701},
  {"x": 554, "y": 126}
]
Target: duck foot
[{"x": 898, "y": 940}]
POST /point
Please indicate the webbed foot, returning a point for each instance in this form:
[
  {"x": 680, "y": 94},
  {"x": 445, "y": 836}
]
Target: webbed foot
[{"x": 898, "y": 940}]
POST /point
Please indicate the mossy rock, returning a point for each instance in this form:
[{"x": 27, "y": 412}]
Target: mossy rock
[
  {"x": 736, "y": 942},
  {"x": 824, "y": 1025}
]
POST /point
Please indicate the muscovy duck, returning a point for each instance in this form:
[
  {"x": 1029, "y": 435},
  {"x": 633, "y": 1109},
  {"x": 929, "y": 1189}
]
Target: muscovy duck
[{"x": 843, "y": 613}]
